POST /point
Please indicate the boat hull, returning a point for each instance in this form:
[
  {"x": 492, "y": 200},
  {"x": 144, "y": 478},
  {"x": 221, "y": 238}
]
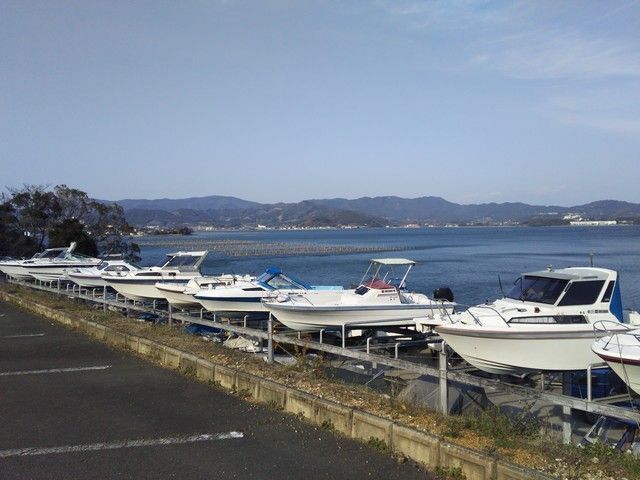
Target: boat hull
[
  {"x": 307, "y": 318},
  {"x": 15, "y": 271},
  {"x": 88, "y": 281},
  {"x": 622, "y": 354},
  {"x": 174, "y": 294},
  {"x": 138, "y": 289},
  {"x": 519, "y": 350},
  {"x": 233, "y": 305}
]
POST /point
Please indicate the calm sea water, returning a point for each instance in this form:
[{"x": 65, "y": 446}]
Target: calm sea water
[{"x": 469, "y": 260}]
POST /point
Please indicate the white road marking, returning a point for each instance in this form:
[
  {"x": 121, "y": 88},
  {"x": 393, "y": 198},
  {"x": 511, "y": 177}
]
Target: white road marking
[
  {"x": 92, "y": 447},
  {"x": 54, "y": 370},
  {"x": 25, "y": 335}
]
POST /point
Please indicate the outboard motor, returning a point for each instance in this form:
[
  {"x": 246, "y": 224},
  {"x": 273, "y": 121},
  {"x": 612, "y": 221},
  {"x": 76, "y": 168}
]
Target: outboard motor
[{"x": 443, "y": 293}]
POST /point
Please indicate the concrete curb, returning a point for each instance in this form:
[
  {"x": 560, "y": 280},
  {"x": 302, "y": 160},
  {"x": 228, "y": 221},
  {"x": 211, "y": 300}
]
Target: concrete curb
[{"x": 429, "y": 450}]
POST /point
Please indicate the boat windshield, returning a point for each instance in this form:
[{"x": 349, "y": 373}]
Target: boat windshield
[
  {"x": 280, "y": 282},
  {"x": 537, "y": 289},
  {"x": 182, "y": 261}
]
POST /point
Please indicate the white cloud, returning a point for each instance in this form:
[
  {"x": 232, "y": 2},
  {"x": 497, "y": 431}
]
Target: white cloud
[{"x": 531, "y": 40}]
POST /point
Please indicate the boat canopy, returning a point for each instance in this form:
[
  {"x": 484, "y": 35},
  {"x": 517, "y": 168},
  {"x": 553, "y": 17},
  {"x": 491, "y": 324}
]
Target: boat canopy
[{"x": 393, "y": 261}]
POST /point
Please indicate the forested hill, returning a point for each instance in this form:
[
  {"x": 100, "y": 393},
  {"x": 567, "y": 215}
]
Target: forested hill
[{"x": 227, "y": 211}]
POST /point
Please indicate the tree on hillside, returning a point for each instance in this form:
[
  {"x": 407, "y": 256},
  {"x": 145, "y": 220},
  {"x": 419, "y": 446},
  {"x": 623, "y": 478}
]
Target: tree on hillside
[
  {"x": 59, "y": 216},
  {"x": 36, "y": 211},
  {"x": 12, "y": 240}
]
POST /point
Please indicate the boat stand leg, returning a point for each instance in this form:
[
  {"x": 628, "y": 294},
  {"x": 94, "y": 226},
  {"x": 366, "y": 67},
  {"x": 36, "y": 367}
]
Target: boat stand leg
[
  {"x": 444, "y": 387},
  {"x": 170, "y": 315},
  {"x": 566, "y": 411},
  {"x": 270, "y": 340},
  {"x": 566, "y": 425},
  {"x": 344, "y": 339},
  {"x": 104, "y": 298}
]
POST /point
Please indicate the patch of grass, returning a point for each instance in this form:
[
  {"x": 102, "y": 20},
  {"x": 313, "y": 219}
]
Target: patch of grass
[
  {"x": 328, "y": 425},
  {"x": 243, "y": 393},
  {"x": 378, "y": 444},
  {"x": 449, "y": 473},
  {"x": 274, "y": 405}
]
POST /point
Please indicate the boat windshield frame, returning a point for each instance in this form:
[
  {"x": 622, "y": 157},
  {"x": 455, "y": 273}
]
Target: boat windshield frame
[
  {"x": 538, "y": 289},
  {"x": 375, "y": 266}
]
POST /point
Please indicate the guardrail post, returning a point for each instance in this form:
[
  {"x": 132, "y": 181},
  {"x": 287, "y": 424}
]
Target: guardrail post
[
  {"x": 444, "y": 387},
  {"x": 270, "y": 340}
]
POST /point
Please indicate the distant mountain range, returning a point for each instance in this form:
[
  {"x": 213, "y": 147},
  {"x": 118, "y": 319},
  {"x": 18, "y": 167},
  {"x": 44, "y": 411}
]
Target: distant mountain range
[{"x": 231, "y": 212}]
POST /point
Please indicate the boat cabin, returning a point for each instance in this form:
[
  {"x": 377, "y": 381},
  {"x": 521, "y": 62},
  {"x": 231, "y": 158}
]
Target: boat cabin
[{"x": 571, "y": 287}]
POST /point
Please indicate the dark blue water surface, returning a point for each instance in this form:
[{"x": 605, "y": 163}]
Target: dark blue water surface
[{"x": 469, "y": 260}]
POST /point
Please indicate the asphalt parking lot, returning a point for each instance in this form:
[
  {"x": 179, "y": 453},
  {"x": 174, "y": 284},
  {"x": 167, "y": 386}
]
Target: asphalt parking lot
[{"x": 71, "y": 407}]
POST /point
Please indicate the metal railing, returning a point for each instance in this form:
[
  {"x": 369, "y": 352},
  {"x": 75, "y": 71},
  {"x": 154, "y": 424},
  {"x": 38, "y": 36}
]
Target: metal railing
[{"x": 442, "y": 372}]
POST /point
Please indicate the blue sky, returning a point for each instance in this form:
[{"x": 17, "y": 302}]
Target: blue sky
[{"x": 287, "y": 100}]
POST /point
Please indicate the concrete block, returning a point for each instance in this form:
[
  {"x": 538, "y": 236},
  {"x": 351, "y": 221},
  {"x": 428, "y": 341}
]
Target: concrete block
[
  {"x": 335, "y": 414},
  {"x": 272, "y": 393},
  {"x": 204, "y": 370},
  {"x": 132, "y": 342},
  {"x": 509, "y": 471},
  {"x": 114, "y": 337},
  {"x": 245, "y": 382},
  {"x": 188, "y": 362},
  {"x": 225, "y": 376},
  {"x": 98, "y": 331},
  {"x": 418, "y": 446},
  {"x": 365, "y": 426},
  {"x": 144, "y": 346},
  {"x": 475, "y": 465},
  {"x": 171, "y": 357},
  {"x": 156, "y": 351},
  {"x": 300, "y": 403}
]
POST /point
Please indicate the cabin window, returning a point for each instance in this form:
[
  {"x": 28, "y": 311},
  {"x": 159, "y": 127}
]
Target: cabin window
[
  {"x": 253, "y": 289},
  {"x": 607, "y": 293},
  {"x": 546, "y": 320},
  {"x": 582, "y": 293},
  {"x": 537, "y": 289}
]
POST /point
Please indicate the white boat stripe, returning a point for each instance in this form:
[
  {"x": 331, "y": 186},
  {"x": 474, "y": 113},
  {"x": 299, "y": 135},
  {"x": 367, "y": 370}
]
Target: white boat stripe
[
  {"x": 24, "y": 336},
  {"x": 92, "y": 447},
  {"x": 54, "y": 370}
]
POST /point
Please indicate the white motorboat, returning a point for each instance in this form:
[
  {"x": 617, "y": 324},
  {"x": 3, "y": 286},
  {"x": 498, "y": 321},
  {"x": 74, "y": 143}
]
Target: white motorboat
[
  {"x": 545, "y": 323},
  {"x": 16, "y": 268},
  {"x": 50, "y": 265},
  {"x": 621, "y": 351},
  {"x": 92, "y": 277},
  {"x": 380, "y": 300},
  {"x": 140, "y": 285},
  {"x": 181, "y": 296},
  {"x": 246, "y": 296}
]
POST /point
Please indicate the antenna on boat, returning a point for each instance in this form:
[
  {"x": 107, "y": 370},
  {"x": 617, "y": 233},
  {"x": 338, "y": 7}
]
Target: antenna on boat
[{"x": 591, "y": 254}]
